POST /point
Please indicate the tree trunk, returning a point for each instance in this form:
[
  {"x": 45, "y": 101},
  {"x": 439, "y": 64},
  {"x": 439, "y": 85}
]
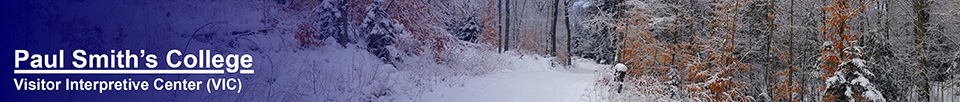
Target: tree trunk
[
  {"x": 566, "y": 16},
  {"x": 553, "y": 29},
  {"x": 920, "y": 30},
  {"x": 500, "y": 25},
  {"x": 769, "y": 51},
  {"x": 790, "y": 54},
  {"x": 506, "y": 40}
]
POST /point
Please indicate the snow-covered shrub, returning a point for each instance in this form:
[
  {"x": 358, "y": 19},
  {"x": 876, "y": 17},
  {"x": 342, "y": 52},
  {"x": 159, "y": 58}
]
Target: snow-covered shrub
[
  {"x": 466, "y": 29},
  {"x": 595, "y": 35},
  {"x": 331, "y": 22},
  {"x": 421, "y": 20},
  {"x": 851, "y": 80},
  {"x": 662, "y": 61},
  {"x": 847, "y": 74},
  {"x": 381, "y": 31}
]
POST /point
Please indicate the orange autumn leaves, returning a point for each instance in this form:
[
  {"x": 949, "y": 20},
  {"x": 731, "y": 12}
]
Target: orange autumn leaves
[
  {"x": 704, "y": 66},
  {"x": 839, "y": 39}
]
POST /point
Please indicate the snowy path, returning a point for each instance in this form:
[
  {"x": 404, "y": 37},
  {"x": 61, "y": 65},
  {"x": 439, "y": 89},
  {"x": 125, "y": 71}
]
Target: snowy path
[{"x": 530, "y": 83}]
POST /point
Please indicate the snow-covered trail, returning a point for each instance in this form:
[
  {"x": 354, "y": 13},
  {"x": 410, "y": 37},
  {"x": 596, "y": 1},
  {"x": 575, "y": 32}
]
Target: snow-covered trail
[{"x": 529, "y": 82}]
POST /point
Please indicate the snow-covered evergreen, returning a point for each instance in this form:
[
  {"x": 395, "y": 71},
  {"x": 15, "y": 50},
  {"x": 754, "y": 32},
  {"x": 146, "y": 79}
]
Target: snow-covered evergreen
[{"x": 852, "y": 80}]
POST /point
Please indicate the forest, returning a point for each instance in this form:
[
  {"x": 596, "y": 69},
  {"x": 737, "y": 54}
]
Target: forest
[
  {"x": 702, "y": 50},
  {"x": 541, "y": 50}
]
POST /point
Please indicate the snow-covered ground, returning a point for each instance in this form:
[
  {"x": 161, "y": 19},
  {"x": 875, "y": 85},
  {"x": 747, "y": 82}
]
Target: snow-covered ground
[
  {"x": 333, "y": 73},
  {"x": 534, "y": 80},
  {"x": 289, "y": 71}
]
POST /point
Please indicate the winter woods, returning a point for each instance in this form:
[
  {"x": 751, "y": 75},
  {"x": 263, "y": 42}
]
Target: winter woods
[
  {"x": 817, "y": 50},
  {"x": 688, "y": 50}
]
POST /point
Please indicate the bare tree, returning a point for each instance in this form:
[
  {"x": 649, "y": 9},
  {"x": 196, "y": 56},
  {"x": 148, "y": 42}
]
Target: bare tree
[
  {"x": 920, "y": 31},
  {"x": 506, "y": 37},
  {"x": 566, "y": 16},
  {"x": 553, "y": 29}
]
